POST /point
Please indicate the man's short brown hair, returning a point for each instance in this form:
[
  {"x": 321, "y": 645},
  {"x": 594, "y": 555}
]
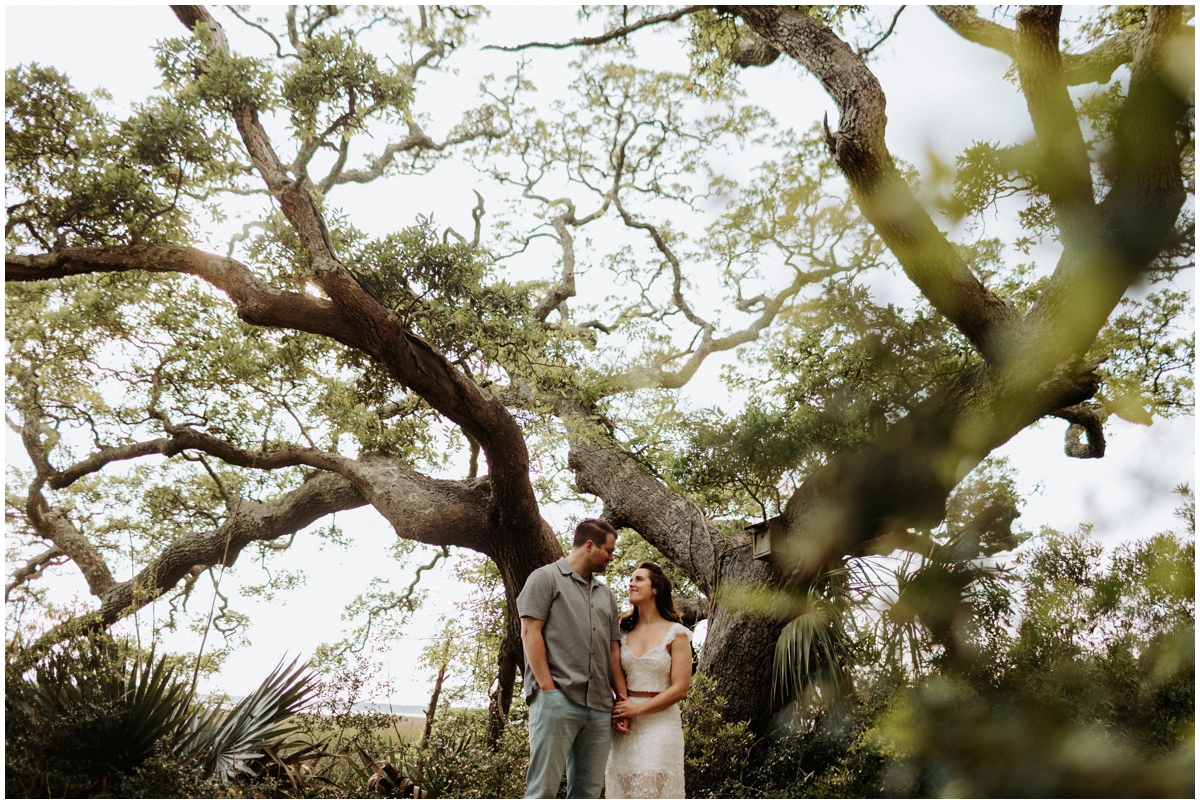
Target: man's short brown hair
[{"x": 595, "y": 531}]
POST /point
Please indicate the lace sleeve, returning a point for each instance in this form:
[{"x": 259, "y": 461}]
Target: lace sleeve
[{"x": 675, "y": 630}]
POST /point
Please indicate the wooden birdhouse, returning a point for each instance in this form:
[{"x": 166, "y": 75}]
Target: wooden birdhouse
[{"x": 764, "y": 534}]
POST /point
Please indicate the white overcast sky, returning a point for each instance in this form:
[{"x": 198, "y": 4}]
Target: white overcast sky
[{"x": 943, "y": 93}]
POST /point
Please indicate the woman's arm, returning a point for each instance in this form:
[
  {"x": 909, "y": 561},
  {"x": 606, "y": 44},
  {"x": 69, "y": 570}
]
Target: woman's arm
[
  {"x": 681, "y": 677},
  {"x": 620, "y": 724},
  {"x": 618, "y": 672}
]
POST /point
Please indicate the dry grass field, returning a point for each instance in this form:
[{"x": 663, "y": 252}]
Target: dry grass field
[
  {"x": 404, "y": 729},
  {"x": 410, "y": 727}
]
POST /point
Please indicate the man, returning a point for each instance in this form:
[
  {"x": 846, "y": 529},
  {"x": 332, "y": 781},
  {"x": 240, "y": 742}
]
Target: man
[{"x": 569, "y": 627}]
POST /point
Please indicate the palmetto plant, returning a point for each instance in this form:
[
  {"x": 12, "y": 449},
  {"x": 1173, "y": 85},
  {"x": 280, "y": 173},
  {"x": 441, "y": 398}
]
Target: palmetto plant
[
  {"x": 904, "y": 609},
  {"x": 97, "y": 709},
  {"x": 946, "y": 592},
  {"x": 813, "y": 652},
  {"x": 106, "y": 708},
  {"x": 225, "y": 742}
]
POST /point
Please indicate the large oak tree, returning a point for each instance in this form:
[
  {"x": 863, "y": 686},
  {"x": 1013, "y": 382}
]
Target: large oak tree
[{"x": 323, "y": 368}]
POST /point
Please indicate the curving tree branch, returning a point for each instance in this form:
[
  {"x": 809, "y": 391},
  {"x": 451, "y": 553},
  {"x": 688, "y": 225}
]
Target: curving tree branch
[
  {"x": 1135, "y": 221},
  {"x": 34, "y": 568},
  {"x": 256, "y": 301},
  {"x": 970, "y": 26},
  {"x": 1095, "y": 66},
  {"x": 565, "y": 288},
  {"x": 860, "y": 150},
  {"x": 382, "y": 334},
  {"x": 1066, "y": 170},
  {"x": 416, "y": 142},
  {"x": 50, "y": 524},
  {"x": 608, "y": 36},
  {"x": 1087, "y": 422}
]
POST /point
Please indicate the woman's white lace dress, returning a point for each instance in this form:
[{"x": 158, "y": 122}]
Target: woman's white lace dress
[{"x": 648, "y": 762}]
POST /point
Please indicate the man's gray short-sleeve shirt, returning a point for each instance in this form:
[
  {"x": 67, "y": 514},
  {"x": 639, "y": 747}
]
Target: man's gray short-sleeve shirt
[{"x": 581, "y": 622}]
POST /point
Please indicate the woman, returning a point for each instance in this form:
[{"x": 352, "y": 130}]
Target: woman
[{"x": 656, "y": 655}]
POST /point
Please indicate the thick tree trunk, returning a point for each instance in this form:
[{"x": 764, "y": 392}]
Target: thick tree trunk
[{"x": 739, "y": 650}]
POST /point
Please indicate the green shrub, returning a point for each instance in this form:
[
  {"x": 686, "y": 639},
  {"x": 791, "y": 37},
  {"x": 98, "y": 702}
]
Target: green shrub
[
  {"x": 97, "y": 717},
  {"x": 165, "y": 774},
  {"x": 716, "y": 753},
  {"x": 458, "y": 764},
  {"x": 946, "y": 738},
  {"x": 829, "y": 755},
  {"x": 91, "y": 713}
]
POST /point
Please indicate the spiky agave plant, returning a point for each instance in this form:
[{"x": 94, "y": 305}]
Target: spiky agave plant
[{"x": 97, "y": 708}]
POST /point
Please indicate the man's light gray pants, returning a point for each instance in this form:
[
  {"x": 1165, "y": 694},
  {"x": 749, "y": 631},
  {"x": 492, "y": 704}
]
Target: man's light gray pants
[{"x": 564, "y": 736}]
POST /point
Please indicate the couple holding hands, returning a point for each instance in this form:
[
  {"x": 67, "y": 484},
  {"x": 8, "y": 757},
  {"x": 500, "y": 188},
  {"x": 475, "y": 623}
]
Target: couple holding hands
[{"x": 580, "y": 655}]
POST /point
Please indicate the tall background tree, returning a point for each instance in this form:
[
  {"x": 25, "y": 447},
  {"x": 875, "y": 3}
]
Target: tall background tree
[{"x": 316, "y": 367}]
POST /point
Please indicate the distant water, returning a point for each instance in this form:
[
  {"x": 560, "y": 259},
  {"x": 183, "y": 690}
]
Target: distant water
[
  {"x": 391, "y": 709},
  {"x": 366, "y": 706}
]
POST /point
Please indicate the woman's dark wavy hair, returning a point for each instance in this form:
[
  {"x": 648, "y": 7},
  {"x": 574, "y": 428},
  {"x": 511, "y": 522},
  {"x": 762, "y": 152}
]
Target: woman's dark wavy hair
[{"x": 661, "y": 585}]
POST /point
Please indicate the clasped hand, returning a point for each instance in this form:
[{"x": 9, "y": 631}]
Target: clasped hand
[
  {"x": 627, "y": 709},
  {"x": 624, "y": 711}
]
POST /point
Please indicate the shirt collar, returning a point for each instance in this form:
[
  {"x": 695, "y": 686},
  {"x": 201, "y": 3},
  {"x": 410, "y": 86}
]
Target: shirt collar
[{"x": 565, "y": 568}]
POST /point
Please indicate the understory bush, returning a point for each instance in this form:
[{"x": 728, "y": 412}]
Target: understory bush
[
  {"x": 96, "y": 716},
  {"x": 458, "y": 763},
  {"x": 716, "y": 753}
]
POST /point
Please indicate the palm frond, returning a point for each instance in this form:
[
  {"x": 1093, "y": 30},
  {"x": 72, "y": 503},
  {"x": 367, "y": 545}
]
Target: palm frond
[
  {"x": 227, "y": 742},
  {"x": 811, "y": 653},
  {"x": 124, "y": 703}
]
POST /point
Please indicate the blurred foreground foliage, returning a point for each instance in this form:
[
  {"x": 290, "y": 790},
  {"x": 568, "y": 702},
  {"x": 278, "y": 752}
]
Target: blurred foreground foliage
[{"x": 1086, "y": 688}]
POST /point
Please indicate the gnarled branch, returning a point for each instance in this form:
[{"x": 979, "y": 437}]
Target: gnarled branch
[
  {"x": 33, "y": 569},
  {"x": 256, "y": 301},
  {"x": 1065, "y": 171},
  {"x": 616, "y": 33},
  {"x": 248, "y": 521},
  {"x": 416, "y": 142},
  {"x": 1094, "y": 66},
  {"x": 886, "y": 200},
  {"x": 1087, "y": 422}
]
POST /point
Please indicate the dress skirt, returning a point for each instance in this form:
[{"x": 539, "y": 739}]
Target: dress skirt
[{"x": 647, "y": 762}]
